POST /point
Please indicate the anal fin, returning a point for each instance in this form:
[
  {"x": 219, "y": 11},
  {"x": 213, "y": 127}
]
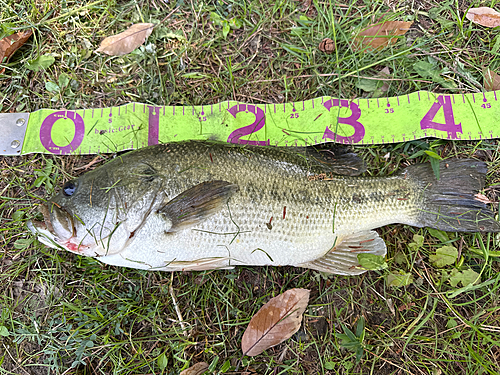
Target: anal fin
[{"x": 342, "y": 259}]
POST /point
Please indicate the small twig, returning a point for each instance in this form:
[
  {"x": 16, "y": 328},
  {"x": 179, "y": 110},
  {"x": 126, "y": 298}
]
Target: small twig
[
  {"x": 492, "y": 187},
  {"x": 177, "y": 310},
  {"x": 336, "y": 74},
  {"x": 87, "y": 166},
  {"x": 168, "y": 15}
]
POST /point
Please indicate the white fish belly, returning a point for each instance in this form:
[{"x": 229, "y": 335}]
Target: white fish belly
[{"x": 284, "y": 235}]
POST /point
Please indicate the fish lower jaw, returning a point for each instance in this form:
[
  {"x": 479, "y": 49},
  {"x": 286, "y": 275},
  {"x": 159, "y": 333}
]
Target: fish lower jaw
[
  {"x": 71, "y": 244},
  {"x": 77, "y": 248}
]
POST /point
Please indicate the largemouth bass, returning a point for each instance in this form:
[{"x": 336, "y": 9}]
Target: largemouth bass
[{"x": 202, "y": 205}]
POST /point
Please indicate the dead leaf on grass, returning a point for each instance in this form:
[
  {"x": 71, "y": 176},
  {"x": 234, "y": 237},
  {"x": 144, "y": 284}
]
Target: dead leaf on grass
[
  {"x": 385, "y": 73},
  {"x": 381, "y": 35},
  {"x": 127, "y": 41},
  {"x": 484, "y": 16},
  {"x": 491, "y": 80},
  {"x": 196, "y": 369},
  {"x": 11, "y": 44},
  {"x": 275, "y": 322}
]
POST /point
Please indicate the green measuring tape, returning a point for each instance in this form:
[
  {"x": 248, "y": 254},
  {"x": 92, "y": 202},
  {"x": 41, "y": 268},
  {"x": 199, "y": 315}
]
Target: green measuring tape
[{"x": 325, "y": 119}]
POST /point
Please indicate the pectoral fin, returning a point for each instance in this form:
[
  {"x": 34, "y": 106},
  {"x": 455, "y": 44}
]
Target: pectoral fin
[
  {"x": 197, "y": 203},
  {"x": 342, "y": 259}
]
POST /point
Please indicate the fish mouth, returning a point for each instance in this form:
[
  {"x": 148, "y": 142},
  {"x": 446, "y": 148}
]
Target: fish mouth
[{"x": 58, "y": 229}]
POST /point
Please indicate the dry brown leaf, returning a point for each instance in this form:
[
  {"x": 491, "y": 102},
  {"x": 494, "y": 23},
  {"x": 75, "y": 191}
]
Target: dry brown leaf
[
  {"x": 196, "y": 369},
  {"x": 275, "y": 322},
  {"x": 127, "y": 41},
  {"x": 484, "y": 16},
  {"x": 12, "y": 43},
  {"x": 491, "y": 80},
  {"x": 381, "y": 35},
  {"x": 386, "y": 72}
]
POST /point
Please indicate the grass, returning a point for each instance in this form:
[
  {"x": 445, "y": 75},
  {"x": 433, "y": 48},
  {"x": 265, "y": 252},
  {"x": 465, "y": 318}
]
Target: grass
[{"x": 64, "y": 314}]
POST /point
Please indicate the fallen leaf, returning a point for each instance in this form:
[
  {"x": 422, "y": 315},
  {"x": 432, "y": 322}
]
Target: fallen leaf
[
  {"x": 196, "y": 369},
  {"x": 275, "y": 322},
  {"x": 491, "y": 80},
  {"x": 484, "y": 16},
  {"x": 309, "y": 8},
  {"x": 381, "y": 35},
  {"x": 11, "y": 44},
  {"x": 384, "y": 73},
  {"x": 127, "y": 41},
  {"x": 390, "y": 305},
  {"x": 327, "y": 45}
]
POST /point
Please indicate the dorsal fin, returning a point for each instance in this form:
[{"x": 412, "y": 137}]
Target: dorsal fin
[{"x": 336, "y": 159}]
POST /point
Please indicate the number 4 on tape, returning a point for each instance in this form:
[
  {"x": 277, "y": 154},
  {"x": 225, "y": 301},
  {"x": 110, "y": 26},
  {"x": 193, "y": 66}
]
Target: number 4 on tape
[{"x": 443, "y": 101}]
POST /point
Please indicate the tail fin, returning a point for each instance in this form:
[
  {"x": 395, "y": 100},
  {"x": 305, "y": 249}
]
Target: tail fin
[{"x": 451, "y": 203}]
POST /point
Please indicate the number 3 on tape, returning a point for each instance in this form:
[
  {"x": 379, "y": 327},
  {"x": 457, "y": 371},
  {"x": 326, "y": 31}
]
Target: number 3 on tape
[
  {"x": 449, "y": 120},
  {"x": 359, "y": 129}
]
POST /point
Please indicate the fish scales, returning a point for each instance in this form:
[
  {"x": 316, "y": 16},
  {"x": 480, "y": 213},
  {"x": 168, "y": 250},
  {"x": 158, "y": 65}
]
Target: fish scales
[{"x": 203, "y": 205}]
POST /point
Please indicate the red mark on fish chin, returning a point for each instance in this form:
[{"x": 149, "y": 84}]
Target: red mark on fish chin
[{"x": 73, "y": 247}]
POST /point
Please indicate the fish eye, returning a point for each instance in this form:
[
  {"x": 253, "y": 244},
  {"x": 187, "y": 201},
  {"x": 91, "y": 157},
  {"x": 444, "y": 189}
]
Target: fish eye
[{"x": 69, "y": 189}]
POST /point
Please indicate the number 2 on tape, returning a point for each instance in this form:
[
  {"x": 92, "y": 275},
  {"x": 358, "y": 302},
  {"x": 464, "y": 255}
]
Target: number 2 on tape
[{"x": 260, "y": 121}]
